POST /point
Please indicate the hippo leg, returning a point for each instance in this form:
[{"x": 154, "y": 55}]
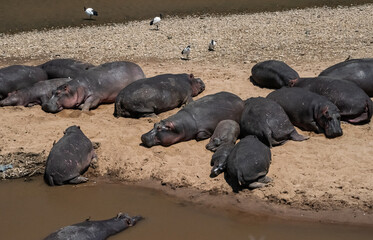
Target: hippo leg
[
  {"x": 261, "y": 182},
  {"x": 202, "y": 135},
  {"x": 315, "y": 127},
  {"x": 295, "y": 136},
  {"x": 78, "y": 179},
  {"x": 90, "y": 102}
]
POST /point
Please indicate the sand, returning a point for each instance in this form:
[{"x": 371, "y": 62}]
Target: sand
[{"x": 322, "y": 179}]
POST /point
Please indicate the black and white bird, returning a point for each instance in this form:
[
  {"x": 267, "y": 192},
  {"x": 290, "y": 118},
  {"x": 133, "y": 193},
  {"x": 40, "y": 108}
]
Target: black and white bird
[
  {"x": 212, "y": 45},
  {"x": 156, "y": 21},
  {"x": 186, "y": 52},
  {"x": 90, "y": 12}
]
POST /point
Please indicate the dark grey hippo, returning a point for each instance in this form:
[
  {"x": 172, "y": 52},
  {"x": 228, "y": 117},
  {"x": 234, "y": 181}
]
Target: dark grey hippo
[
  {"x": 17, "y": 77},
  {"x": 227, "y": 131},
  {"x": 64, "y": 68},
  {"x": 97, "y": 85},
  {"x": 157, "y": 94},
  {"x": 359, "y": 71},
  {"x": 267, "y": 120},
  {"x": 95, "y": 230},
  {"x": 197, "y": 120},
  {"x": 354, "y": 104},
  {"x": 309, "y": 111},
  {"x": 272, "y": 74},
  {"x": 69, "y": 158},
  {"x": 38, "y": 93},
  {"x": 248, "y": 164},
  {"x": 219, "y": 159}
]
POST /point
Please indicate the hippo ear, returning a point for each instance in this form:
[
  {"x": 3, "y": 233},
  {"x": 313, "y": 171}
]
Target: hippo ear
[
  {"x": 292, "y": 82},
  {"x": 324, "y": 111},
  {"x": 191, "y": 76},
  {"x": 168, "y": 126}
]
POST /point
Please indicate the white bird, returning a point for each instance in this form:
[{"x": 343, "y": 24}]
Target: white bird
[
  {"x": 90, "y": 12},
  {"x": 212, "y": 45},
  {"x": 186, "y": 52},
  {"x": 156, "y": 21}
]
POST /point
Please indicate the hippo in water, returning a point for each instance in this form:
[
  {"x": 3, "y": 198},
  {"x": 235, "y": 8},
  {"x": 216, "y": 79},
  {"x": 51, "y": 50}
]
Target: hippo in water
[
  {"x": 157, "y": 94},
  {"x": 359, "y": 71},
  {"x": 354, "y": 104},
  {"x": 227, "y": 131},
  {"x": 248, "y": 164},
  {"x": 97, "y": 85},
  {"x": 197, "y": 120},
  {"x": 272, "y": 74},
  {"x": 309, "y": 111},
  {"x": 219, "y": 159},
  {"x": 38, "y": 93},
  {"x": 267, "y": 120},
  {"x": 95, "y": 230},
  {"x": 69, "y": 158},
  {"x": 17, "y": 77},
  {"x": 64, "y": 68}
]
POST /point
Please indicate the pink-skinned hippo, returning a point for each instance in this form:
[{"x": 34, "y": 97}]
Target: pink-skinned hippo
[
  {"x": 17, "y": 77},
  {"x": 197, "y": 120},
  {"x": 157, "y": 94},
  {"x": 64, "y": 68},
  {"x": 95, "y": 86}
]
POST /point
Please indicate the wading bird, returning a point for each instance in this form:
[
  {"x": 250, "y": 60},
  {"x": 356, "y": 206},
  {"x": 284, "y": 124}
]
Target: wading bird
[
  {"x": 212, "y": 45},
  {"x": 186, "y": 52},
  {"x": 90, "y": 12},
  {"x": 156, "y": 21}
]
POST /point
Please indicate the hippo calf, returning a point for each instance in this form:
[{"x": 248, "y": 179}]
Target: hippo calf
[
  {"x": 157, "y": 94},
  {"x": 17, "y": 77},
  {"x": 309, "y": 111},
  {"x": 219, "y": 159},
  {"x": 97, "y": 85},
  {"x": 248, "y": 164},
  {"x": 359, "y": 71},
  {"x": 95, "y": 230},
  {"x": 272, "y": 74},
  {"x": 227, "y": 131},
  {"x": 38, "y": 93},
  {"x": 64, "y": 68},
  {"x": 69, "y": 158},
  {"x": 267, "y": 120},
  {"x": 197, "y": 120}
]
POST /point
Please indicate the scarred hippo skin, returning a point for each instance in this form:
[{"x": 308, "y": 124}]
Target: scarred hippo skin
[
  {"x": 64, "y": 68},
  {"x": 248, "y": 164},
  {"x": 309, "y": 111},
  {"x": 69, "y": 158},
  {"x": 97, "y": 85},
  {"x": 197, "y": 120},
  {"x": 219, "y": 159},
  {"x": 359, "y": 71},
  {"x": 157, "y": 94},
  {"x": 354, "y": 104},
  {"x": 38, "y": 93},
  {"x": 267, "y": 120},
  {"x": 17, "y": 77},
  {"x": 272, "y": 74},
  {"x": 95, "y": 230},
  {"x": 227, "y": 131}
]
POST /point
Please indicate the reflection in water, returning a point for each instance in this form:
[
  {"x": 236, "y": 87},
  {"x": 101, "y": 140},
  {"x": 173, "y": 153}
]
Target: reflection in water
[
  {"x": 21, "y": 15},
  {"x": 32, "y": 210}
]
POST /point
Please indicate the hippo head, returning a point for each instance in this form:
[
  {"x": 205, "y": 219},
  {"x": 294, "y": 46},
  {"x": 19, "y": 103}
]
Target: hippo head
[
  {"x": 198, "y": 85},
  {"x": 213, "y": 144},
  {"x": 219, "y": 159},
  {"x": 164, "y": 133},
  {"x": 12, "y": 100},
  {"x": 65, "y": 96},
  {"x": 330, "y": 121},
  {"x": 129, "y": 221},
  {"x": 72, "y": 129}
]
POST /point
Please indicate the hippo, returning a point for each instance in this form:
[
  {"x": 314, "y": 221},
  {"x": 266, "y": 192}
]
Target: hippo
[
  {"x": 38, "y": 93},
  {"x": 267, "y": 120},
  {"x": 69, "y": 158},
  {"x": 17, "y": 77},
  {"x": 359, "y": 71},
  {"x": 272, "y": 74},
  {"x": 309, "y": 111},
  {"x": 219, "y": 158},
  {"x": 248, "y": 164},
  {"x": 97, "y": 85},
  {"x": 227, "y": 131},
  {"x": 354, "y": 104},
  {"x": 64, "y": 68},
  {"x": 158, "y": 94},
  {"x": 95, "y": 230},
  {"x": 197, "y": 120}
]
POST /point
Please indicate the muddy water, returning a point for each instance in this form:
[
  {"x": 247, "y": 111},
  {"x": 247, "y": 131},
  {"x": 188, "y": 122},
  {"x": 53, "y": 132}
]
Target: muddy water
[
  {"x": 21, "y": 15},
  {"x": 32, "y": 210}
]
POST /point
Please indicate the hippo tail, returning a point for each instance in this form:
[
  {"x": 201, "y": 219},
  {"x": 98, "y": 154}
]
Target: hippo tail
[
  {"x": 295, "y": 136},
  {"x": 369, "y": 108},
  {"x": 48, "y": 179}
]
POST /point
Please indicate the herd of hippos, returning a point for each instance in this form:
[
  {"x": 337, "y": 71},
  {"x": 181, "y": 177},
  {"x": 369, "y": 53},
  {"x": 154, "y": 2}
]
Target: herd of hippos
[{"x": 318, "y": 104}]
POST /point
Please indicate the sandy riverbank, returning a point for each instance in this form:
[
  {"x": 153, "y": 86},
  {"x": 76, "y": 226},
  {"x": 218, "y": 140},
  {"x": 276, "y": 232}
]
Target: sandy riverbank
[{"x": 331, "y": 179}]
